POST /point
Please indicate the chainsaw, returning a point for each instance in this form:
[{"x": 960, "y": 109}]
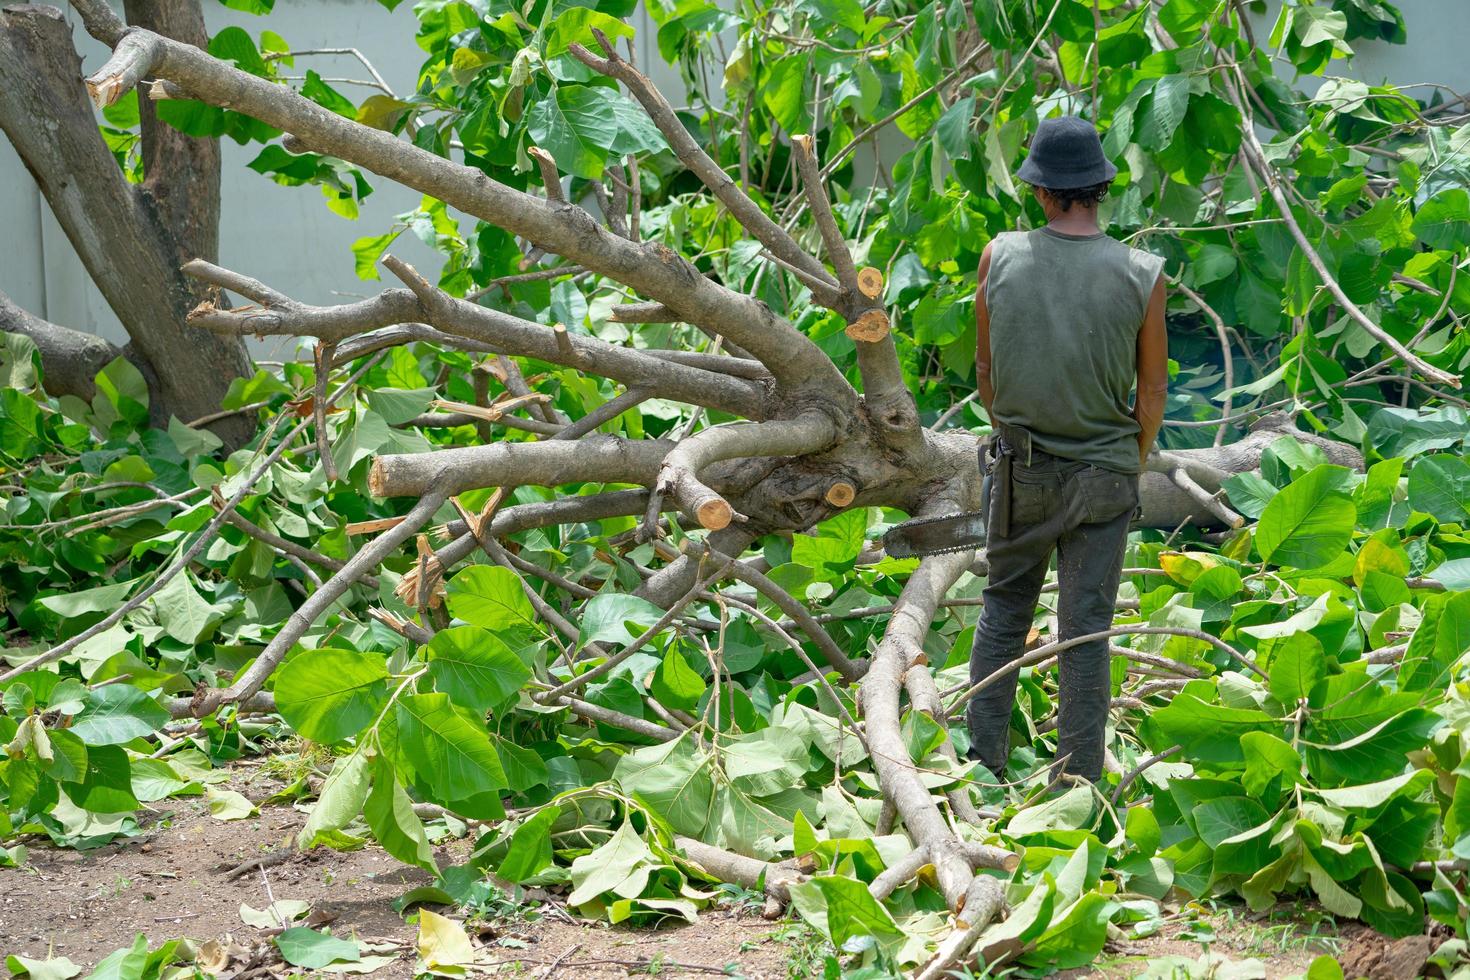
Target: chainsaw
[{"x": 935, "y": 536}]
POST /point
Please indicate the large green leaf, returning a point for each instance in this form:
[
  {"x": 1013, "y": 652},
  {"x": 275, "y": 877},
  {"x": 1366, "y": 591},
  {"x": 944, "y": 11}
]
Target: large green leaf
[
  {"x": 674, "y": 778},
  {"x": 584, "y": 125},
  {"x": 842, "y": 909},
  {"x": 328, "y": 694},
  {"x": 1440, "y": 485},
  {"x": 1208, "y": 732},
  {"x": 475, "y": 668},
  {"x": 490, "y": 597},
  {"x": 1443, "y": 221},
  {"x": 1309, "y": 523},
  {"x": 530, "y": 847},
  {"x": 621, "y": 866},
  {"x": 116, "y": 714},
  {"x": 389, "y": 813},
  {"x": 616, "y": 617},
  {"x": 448, "y": 749},
  {"x": 343, "y": 793}
]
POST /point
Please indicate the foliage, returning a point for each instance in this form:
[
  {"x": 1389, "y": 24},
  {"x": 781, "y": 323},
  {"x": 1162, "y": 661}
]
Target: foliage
[{"x": 1334, "y": 771}]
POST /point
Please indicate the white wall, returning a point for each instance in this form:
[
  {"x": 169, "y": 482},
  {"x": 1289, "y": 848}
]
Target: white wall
[{"x": 286, "y": 236}]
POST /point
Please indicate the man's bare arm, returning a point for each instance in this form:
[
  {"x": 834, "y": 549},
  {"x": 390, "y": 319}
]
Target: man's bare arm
[
  {"x": 982, "y": 337},
  {"x": 1153, "y": 373}
]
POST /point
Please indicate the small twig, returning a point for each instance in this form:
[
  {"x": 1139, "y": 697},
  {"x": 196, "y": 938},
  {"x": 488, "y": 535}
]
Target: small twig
[{"x": 1137, "y": 770}]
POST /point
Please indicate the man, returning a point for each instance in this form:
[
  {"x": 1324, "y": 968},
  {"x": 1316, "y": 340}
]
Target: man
[{"x": 1067, "y": 320}]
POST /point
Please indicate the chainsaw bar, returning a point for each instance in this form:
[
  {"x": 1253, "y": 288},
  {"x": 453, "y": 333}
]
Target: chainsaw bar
[{"x": 935, "y": 536}]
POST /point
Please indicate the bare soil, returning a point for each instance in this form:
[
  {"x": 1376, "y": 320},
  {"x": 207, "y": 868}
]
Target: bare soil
[{"x": 172, "y": 882}]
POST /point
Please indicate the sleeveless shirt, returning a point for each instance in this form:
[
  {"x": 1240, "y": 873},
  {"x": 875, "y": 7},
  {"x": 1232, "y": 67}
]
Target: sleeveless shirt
[{"x": 1065, "y": 313}]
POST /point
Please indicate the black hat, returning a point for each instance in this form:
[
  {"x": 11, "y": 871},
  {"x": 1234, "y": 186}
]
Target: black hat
[{"x": 1066, "y": 153}]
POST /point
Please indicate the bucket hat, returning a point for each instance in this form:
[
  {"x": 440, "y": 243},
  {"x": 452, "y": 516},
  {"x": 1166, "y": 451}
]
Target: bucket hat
[{"x": 1066, "y": 153}]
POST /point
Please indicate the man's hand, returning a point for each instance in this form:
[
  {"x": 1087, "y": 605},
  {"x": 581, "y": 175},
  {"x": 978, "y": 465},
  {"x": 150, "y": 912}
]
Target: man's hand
[{"x": 1153, "y": 373}]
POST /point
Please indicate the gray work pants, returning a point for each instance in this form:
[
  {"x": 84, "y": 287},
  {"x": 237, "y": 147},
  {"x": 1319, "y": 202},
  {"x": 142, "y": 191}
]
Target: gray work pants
[{"x": 1081, "y": 512}]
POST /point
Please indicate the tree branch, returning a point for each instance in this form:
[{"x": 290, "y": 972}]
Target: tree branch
[
  {"x": 70, "y": 359},
  {"x": 652, "y": 269},
  {"x": 679, "y": 475},
  {"x": 596, "y": 458},
  {"x": 740, "y": 206}
]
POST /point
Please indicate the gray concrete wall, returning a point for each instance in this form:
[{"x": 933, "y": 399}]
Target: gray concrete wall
[{"x": 287, "y": 237}]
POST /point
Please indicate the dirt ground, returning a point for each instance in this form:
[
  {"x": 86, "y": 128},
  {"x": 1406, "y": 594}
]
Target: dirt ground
[{"x": 172, "y": 883}]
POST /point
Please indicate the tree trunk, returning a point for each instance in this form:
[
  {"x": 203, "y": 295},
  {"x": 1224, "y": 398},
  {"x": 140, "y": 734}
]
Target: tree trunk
[{"x": 125, "y": 239}]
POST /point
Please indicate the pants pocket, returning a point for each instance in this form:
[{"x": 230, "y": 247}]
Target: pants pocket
[
  {"x": 1103, "y": 495},
  {"x": 1028, "y": 502}
]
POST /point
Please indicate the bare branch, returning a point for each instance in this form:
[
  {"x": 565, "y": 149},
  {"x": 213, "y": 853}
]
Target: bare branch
[
  {"x": 70, "y": 359},
  {"x": 816, "y": 197},
  {"x": 550, "y": 176},
  {"x": 597, "y": 458},
  {"x": 652, "y": 269},
  {"x": 741, "y": 207},
  {"x": 1255, "y": 155},
  {"x": 679, "y": 475}
]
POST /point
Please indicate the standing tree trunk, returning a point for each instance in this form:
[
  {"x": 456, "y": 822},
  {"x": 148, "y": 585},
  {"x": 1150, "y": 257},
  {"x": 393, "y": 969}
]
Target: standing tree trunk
[{"x": 132, "y": 240}]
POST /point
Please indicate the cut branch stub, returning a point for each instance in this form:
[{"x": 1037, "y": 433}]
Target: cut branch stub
[
  {"x": 841, "y": 493},
  {"x": 870, "y": 282},
  {"x": 869, "y": 328},
  {"x": 550, "y": 176}
]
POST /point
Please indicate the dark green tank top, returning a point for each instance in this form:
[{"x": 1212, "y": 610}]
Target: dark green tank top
[{"x": 1065, "y": 312}]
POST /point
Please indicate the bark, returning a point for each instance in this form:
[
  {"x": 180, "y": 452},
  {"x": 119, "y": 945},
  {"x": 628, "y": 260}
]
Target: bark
[
  {"x": 181, "y": 173},
  {"x": 120, "y": 234},
  {"x": 70, "y": 359}
]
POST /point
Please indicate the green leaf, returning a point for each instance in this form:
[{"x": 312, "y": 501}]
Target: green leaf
[
  {"x": 313, "y": 950},
  {"x": 675, "y": 684},
  {"x": 124, "y": 964},
  {"x": 621, "y": 866},
  {"x": 524, "y": 768},
  {"x": 366, "y": 252},
  {"x": 328, "y": 695},
  {"x": 1318, "y": 25},
  {"x": 1297, "y": 665},
  {"x": 1163, "y": 111},
  {"x": 1220, "y": 819},
  {"x": 107, "y": 785},
  {"x": 530, "y": 847},
  {"x": 257, "y": 7},
  {"x": 1441, "y": 638},
  {"x": 1070, "y": 811},
  {"x": 1208, "y": 732},
  {"x": 616, "y": 617},
  {"x": 116, "y": 714},
  {"x": 227, "y": 804},
  {"x": 475, "y": 668},
  {"x": 448, "y": 748},
  {"x": 1443, "y": 221},
  {"x": 575, "y": 25},
  {"x": 1440, "y": 485},
  {"x": 58, "y": 968},
  {"x": 490, "y": 597},
  {"x": 1377, "y": 752},
  {"x": 837, "y": 541},
  {"x": 674, "y": 779},
  {"x": 842, "y": 909},
  {"x": 397, "y": 406},
  {"x": 390, "y": 815},
  {"x": 1309, "y": 523},
  {"x": 582, "y": 125},
  {"x": 1267, "y": 758},
  {"x": 343, "y": 793}
]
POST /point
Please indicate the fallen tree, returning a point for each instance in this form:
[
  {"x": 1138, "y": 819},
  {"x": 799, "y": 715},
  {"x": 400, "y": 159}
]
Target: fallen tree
[{"x": 808, "y": 446}]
